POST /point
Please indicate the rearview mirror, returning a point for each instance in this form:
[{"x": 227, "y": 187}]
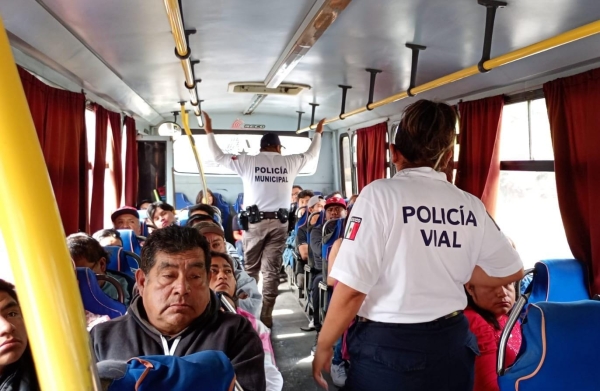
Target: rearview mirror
[{"x": 169, "y": 128}]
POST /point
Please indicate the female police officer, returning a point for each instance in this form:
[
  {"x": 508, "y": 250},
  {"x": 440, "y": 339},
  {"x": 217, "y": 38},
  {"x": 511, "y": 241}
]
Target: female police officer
[{"x": 410, "y": 245}]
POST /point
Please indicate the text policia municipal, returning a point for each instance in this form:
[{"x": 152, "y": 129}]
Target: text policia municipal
[{"x": 270, "y": 178}]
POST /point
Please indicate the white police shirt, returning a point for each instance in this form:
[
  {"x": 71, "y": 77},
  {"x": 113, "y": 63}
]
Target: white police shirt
[
  {"x": 412, "y": 242},
  {"x": 268, "y": 177}
]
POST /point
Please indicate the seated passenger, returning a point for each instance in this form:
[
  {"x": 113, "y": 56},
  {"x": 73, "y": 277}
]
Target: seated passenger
[
  {"x": 143, "y": 204},
  {"x": 176, "y": 313},
  {"x": 17, "y": 371},
  {"x": 487, "y": 312},
  {"x": 127, "y": 217},
  {"x": 352, "y": 200},
  {"x": 336, "y": 193},
  {"x": 223, "y": 280},
  {"x": 87, "y": 252},
  {"x": 335, "y": 208},
  {"x": 250, "y": 297},
  {"x": 238, "y": 235},
  {"x": 304, "y": 198},
  {"x": 108, "y": 237},
  {"x": 161, "y": 214},
  {"x": 208, "y": 200}
]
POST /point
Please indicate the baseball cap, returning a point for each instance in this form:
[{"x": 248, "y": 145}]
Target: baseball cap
[
  {"x": 335, "y": 201},
  {"x": 314, "y": 200},
  {"x": 124, "y": 210},
  {"x": 269, "y": 139},
  {"x": 209, "y": 227}
]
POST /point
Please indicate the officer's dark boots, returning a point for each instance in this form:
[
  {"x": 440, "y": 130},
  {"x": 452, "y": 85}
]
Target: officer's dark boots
[{"x": 266, "y": 314}]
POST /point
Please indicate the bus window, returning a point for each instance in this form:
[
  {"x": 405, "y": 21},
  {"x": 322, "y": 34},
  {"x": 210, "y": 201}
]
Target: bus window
[
  {"x": 527, "y": 206},
  {"x": 346, "y": 165},
  {"x": 185, "y": 163}
]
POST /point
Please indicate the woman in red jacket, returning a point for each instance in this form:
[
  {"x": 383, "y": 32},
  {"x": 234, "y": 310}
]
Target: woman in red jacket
[{"x": 487, "y": 313}]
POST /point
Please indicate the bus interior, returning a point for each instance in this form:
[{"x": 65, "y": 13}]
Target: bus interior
[{"x": 139, "y": 74}]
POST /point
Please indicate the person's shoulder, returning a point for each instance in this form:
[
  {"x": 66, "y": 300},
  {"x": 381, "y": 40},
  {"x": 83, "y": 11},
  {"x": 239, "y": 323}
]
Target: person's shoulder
[
  {"x": 113, "y": 325},
  {"x": 477, "y": 324}
]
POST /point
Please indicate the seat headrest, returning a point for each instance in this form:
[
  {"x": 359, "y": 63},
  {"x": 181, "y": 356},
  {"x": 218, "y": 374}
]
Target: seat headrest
[
  {"x": 94, "y": 299},
  {"x": 559, "y": 280},
  {"x": 559, "y": 350},
  {"x": 121, "y": 260},
  {"x": 130, "y": 241}
]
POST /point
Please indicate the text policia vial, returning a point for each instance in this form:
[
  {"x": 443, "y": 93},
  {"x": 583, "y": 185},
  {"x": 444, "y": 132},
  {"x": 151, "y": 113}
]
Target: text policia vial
[
  {"x": 440, "y": 238},
  {"x": 271, "y": 178}
]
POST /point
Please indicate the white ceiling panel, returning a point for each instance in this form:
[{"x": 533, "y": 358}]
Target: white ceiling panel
[{"x": 128, "y": 53}]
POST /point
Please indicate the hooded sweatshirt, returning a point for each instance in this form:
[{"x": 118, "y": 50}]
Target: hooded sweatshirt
[
  {"x": 20, "y": 376},
  {"x": 132, "y": 335}
]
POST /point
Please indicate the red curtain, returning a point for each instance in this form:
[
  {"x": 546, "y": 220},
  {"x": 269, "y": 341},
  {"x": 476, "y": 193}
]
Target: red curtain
[
  {"x": 573, "y": 104},
  {"x": 371, "y": 152},
  {"x": 131, "y": 163},
  {"x": 59, "y": 118},
  {"x": 478, "y": 168},
  {"x": 98, "y": 175},
  {"x": 117, "y": 137},
  {"x": 37, "y": 98}
]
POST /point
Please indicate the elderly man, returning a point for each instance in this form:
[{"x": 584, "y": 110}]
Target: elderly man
[
  {"x": 127, "y": 217},
  {"x": 177, "y": 314},
  {"x": 247, "y": 291}
]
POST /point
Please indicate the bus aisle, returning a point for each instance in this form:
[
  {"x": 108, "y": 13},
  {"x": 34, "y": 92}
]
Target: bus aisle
[{"x": 291, "y": 345}]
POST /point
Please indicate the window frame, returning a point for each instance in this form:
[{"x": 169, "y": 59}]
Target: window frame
[
  {"x": 342, "y": 170},
  {"x": 526, "y": 165}
]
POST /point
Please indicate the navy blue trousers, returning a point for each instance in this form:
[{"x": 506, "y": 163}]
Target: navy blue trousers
[{"x": 436, "y": 356}]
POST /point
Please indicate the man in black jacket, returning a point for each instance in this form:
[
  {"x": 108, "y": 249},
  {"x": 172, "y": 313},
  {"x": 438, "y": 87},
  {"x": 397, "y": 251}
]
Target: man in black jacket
[{"x": 177, "y": 314}]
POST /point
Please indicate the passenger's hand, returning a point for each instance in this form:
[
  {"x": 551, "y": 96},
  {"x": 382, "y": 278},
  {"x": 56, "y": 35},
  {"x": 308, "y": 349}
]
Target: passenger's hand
[
  {"x": 320, "y": 126},
  {"x": 322, "y": 361},
  {"x": 207, "y": 123},
  {"x": 243, "y": 296}
]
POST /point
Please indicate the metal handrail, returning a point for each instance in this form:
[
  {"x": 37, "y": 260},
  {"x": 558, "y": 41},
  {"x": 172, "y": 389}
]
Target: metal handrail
[
  {"x": 115, "y": 283},
  {"x": 510, "y": 324},
  {"x": 547, "y": 44}
]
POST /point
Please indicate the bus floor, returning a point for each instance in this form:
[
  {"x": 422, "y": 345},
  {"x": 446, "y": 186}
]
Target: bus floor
[{"x": 292, "y": 346}]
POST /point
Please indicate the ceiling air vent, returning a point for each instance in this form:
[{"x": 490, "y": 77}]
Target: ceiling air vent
[{"x": 260, "y": 88}]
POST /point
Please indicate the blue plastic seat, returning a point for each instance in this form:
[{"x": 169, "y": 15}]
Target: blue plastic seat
[
  {"x": 223, "y": 206},
  {"x": 94, "y": 299},
  {"x": 130, "y": 241},
  {"x": 559, "y": 349},
  {"x": 559, "y": 280},
  {"x": 122, "y": 260},
  {"x": 328, "y": 241},
  {"x": 181, "y": 201},
  {"x": 238, "y": 203}
]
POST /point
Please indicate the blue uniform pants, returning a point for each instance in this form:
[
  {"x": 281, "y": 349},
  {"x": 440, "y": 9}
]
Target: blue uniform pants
[{"x": 438, "y": 355}]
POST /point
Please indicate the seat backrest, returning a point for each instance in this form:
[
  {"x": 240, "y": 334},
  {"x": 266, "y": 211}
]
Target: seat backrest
[
  {"x": 94, "y": 299},
  {"x": 559, "y": 349},
  {"x": 130, "y": 241},
  {"x": 238, "y": 203},
  {"x": 181, "y": 201},
  {"x": 559, "y": 280},
  {"x": 302, "y": 220},
  {"x": 183, "y": 217},
  {"x": 223, "y": 206},
  {"x": 328, "y": 241},
  {"x": 122, "y": 260}
]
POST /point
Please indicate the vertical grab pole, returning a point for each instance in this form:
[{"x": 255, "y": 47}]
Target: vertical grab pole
[
  {"x": 188, "y": 132},
  {"x": 38, "y": 255}
]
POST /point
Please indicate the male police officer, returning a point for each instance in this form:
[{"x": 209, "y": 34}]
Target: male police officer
[{"x": 268, "y": 179}]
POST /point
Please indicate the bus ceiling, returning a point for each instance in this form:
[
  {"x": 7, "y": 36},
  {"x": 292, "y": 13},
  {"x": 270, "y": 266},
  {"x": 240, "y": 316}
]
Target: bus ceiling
[{"x": 123, "y": 54}]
